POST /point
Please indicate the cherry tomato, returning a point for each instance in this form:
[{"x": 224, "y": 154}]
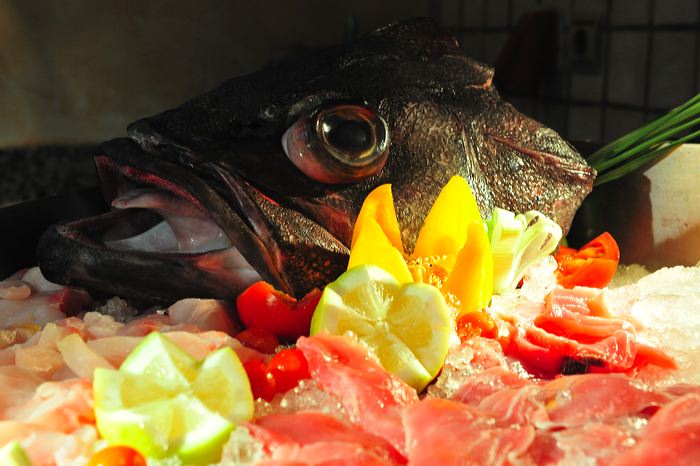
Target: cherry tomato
[
  {"x": 262, "y": 382},
  {"x": 474, "y": 324},
  {"x": 117, "y": 456},
  {"x": 262, "y": 306},
  {"x": 594, "y": 265},
  {"x": 289, "y": 366},
  {"x": 259, "y": 339}
]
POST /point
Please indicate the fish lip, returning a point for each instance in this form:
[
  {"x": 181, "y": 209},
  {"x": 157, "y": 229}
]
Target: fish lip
[
  {"x": 262, "y": 209},
  {"x": 261, "y": 258},
  {"x": 238, "y": 196}
]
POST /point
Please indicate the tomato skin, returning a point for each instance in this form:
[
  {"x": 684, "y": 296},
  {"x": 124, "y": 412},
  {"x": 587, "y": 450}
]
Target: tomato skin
[
  {"x": 289, "y": 366},
  {"x": 262, "y": 306},
  {"x": 474, "y": 324},
  {"x": 594, "y": 265},
  {"x": 117, "y": 456},
  {"x": 262, "y": 381},
  {"x": 259, "y": 339}
]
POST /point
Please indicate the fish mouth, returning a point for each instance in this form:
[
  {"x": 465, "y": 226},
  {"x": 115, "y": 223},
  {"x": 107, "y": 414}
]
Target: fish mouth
[{"x": 176, "y": 232}]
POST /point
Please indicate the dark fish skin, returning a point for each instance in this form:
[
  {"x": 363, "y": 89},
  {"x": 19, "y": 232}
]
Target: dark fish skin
[{"x": 222, "y": 150}]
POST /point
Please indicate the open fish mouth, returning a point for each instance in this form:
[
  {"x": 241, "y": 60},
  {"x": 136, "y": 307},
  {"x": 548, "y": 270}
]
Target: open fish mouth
[{"x": 181, "y": 234}]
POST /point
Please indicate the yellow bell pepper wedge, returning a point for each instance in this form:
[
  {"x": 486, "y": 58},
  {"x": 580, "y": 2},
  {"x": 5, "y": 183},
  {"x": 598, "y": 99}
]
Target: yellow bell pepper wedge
[
  {"x": 444, "y": 230},
  {"x": 379, "y": 205},
  {"x": 471, "y": 279},
  {"x": 373, "y": 246}
]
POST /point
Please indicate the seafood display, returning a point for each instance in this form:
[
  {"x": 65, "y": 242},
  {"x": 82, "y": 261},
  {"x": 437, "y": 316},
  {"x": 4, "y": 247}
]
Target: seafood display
[
  {"x": 486, "y": 406},
  {"x": 349, "y": 260}
]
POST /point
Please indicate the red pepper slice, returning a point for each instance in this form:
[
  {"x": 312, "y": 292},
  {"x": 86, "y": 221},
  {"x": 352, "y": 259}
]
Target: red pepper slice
[
  {"x": 594, "y": 265},
  {"x": 262, "y": 306}
]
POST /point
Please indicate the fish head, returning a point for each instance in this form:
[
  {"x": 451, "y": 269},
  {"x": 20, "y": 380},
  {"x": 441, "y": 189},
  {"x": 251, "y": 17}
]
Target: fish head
[{"x": 263, "y": 177}]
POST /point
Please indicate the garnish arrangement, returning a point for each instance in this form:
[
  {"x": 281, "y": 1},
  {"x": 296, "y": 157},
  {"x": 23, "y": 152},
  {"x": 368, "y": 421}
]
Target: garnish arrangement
[
  {"x": 454, "y": 339},
  {"x": 479, "y": 346}
]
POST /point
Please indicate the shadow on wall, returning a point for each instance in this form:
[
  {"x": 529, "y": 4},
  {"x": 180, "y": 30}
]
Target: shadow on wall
[{"x": 80, "y": 71}]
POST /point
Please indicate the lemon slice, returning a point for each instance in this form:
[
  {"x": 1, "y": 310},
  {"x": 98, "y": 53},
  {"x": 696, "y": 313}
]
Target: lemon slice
[
  {"x": 223, "y": 386},
  {"x": 161, "y": 361},
  {"x": 407, "y": 326},
  {"x": 13, "y": 454},
  {"x": 164, "y": 403}
]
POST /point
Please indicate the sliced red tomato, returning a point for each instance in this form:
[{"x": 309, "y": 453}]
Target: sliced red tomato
[
  {"x": 593, "y": 265},
  {"x": 117, "y": 456},
  {"x": 474, "y": 324},
  {"x": 262, "y": 306},
  {"x": 262, "y": 381},
  {"x": 281, "y": 374},
  {"x": 259, "y": 339},
  {"x": 288, "y": 367}
]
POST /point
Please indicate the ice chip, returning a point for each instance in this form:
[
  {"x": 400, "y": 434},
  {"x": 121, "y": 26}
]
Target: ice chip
[
  {"x": 306, "y": 396},
  {"x": 628, "y": 275},
  {"x": 455, "y": 372},
  {"x": 242, "y": 449},
  {"x": 666, "y": 305},
  {"x": 539, "y": 280}
]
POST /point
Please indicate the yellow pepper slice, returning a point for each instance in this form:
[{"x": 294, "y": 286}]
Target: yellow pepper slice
[
  {"x": 471, "y": 279},
  {"x": 373, "y": 246},
  {"x": 444, "y": 230},
  {"x": 379, "y": 206}
]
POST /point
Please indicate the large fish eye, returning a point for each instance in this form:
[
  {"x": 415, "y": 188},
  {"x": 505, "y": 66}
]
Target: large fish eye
[{"x": 338, "y": 142}]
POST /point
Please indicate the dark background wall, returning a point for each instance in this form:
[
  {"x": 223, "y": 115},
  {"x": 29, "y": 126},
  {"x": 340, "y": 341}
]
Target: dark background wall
[
  {"x": 81, "y": 70},
  {"x": 618, "y": 62},
  {"x": 76, "y": 72}
]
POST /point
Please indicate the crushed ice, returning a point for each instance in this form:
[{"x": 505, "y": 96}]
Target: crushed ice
[
  {"x": 307, "y": 396},
  {"x": 666, "y": 304}
]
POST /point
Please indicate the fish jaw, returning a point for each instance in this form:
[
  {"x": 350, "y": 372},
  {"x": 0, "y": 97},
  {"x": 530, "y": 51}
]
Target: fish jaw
[{"x": 270, "y": 242}]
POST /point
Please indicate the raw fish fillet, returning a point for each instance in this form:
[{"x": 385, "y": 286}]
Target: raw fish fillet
[
  {"x": 315, "y": 438},
  {"x": 372, "y": 398}
]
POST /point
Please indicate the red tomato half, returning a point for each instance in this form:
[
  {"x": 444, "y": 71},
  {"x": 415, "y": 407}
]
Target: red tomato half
[
  {"x": 262, "y": 306},
  {"x": 289, "y": 367},
  {"x": 593, "y": 265},
  {"x": 262, "y": 382},
  {"x": 259, "y": 339},
  {"x": 474, "y": 324},
  {"x": 117, "y": 456}
]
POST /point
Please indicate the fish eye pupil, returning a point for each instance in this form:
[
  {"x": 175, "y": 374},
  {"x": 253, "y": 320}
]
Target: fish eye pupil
[{"x": 351, "y": 135}]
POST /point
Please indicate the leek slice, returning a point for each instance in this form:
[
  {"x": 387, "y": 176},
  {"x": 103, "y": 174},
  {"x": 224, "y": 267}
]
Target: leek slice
[{"x": 517, "y": 241}]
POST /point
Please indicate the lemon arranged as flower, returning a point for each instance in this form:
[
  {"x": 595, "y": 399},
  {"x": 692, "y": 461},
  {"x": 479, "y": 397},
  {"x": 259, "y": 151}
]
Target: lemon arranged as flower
[
  {"x": 406, "y": 325},
  {"x": 163, "y": 402},
  {"x": 396, "y": 303},
  {"x": 452, "y": 251}
]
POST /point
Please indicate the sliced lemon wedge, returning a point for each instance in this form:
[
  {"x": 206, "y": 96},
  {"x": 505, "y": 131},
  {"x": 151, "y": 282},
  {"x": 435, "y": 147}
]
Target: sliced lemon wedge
[
  {"x": 406, "y": 325},
  {"x": 162, "y": 402}
]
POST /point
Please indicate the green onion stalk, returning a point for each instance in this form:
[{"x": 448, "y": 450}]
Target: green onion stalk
[{"x": 647, "y": 144}]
